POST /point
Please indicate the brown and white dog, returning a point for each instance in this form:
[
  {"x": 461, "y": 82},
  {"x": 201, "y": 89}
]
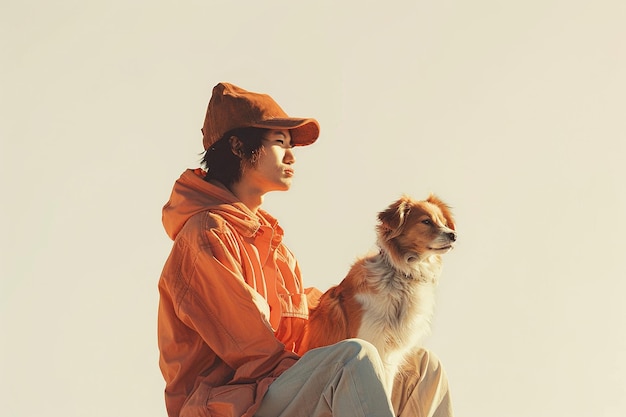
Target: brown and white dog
[{"x": 388, "y": 298}]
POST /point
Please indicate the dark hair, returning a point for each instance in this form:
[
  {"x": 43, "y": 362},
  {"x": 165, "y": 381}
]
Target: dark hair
[{"x": 223, "y": 165}]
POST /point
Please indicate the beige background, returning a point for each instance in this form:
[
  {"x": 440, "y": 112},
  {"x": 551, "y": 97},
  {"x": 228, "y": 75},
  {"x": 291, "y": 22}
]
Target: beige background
[{"x": 512, "y": 111}]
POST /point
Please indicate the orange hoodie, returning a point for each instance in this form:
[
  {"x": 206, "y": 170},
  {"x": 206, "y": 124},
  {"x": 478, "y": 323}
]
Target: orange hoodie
[{"x": 232, "y": 306}]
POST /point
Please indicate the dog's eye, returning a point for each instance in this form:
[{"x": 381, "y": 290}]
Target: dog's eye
[{"x": 427, "y": 222}]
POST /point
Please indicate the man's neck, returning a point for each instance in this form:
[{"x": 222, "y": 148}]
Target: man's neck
[{"x": 251, "y": 197}]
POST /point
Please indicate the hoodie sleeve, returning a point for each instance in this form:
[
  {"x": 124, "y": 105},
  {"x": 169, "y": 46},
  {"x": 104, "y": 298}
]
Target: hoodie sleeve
[
  {"x": 213, "y": 299},
  {"x": 229, "y": 316}
]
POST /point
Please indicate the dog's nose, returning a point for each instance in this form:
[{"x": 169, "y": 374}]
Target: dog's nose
[{"x": 452, "y": 236}]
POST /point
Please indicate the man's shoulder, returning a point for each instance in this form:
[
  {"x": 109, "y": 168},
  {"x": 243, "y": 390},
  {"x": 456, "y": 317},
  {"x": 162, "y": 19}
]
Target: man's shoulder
[{"x": 206, "y": 221}]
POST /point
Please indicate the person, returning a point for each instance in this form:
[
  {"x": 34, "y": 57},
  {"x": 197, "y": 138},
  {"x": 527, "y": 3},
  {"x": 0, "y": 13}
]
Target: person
[{"x": 233, "y": 306}]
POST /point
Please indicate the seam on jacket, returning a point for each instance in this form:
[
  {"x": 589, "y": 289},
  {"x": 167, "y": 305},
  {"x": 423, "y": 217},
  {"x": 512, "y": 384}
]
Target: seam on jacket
[
  {"x": 208, "y": 247},
  {"x": 206, "y": 227},
  {"x": 181, "y": 287},
  {"x": 202, "y": 306}
]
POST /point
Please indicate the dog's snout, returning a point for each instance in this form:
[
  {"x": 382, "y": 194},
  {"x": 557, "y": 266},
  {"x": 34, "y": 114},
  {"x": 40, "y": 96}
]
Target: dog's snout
[{"x": 452, "y": 236}]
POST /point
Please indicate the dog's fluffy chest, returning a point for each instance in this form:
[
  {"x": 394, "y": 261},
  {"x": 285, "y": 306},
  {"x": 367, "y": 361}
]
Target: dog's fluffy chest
[{"x": 398, "y": 306}]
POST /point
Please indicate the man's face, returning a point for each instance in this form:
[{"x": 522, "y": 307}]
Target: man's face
[{"x": 273, "y": 170}]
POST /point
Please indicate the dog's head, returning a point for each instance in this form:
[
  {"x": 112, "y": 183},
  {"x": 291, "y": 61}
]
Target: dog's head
[{"x": 411, "y": 230}]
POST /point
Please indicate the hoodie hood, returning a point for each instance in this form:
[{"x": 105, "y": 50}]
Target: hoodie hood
[{"x": 192, "y": 194}]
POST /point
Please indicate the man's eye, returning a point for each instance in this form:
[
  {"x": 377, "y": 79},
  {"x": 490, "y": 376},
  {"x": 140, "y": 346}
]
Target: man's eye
[{"x": 280, "y": 141}]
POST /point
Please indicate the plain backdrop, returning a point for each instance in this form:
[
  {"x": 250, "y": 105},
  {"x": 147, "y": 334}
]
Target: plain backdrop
[{"x": 513, "y": 112}]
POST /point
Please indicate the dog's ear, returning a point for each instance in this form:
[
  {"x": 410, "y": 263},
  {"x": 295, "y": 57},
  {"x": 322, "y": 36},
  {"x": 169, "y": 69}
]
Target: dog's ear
[
  {"x": 445, "y": 210},
  {"x": 392, "y": 219}
]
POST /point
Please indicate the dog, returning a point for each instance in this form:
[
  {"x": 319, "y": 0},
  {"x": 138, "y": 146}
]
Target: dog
[{"x": 387, "y": 298}]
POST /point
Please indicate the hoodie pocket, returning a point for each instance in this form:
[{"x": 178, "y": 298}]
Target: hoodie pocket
[
  {"x": 294, "y": 305},
  {"x": 295, "y": 313}
]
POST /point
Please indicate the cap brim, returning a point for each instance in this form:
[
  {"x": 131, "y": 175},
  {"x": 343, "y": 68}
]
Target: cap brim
[{"x": 303, "y": 131}]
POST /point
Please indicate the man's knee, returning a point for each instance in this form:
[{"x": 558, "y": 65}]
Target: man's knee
[
  {"x": 421, "y": 387},
  {"x": 422, "y": 362},
  {"x": 359, "y": 352},
  {"x": 358, "y": 347}
]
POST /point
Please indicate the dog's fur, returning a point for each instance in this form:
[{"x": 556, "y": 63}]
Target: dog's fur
[{"x": 387, "y": 298}]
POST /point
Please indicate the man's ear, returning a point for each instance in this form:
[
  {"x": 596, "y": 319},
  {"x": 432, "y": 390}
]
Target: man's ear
[{"x": 236, "y": 146}]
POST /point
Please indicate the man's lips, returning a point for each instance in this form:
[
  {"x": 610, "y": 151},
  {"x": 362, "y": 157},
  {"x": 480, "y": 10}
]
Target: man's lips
[{"x": 289, "y": 172}]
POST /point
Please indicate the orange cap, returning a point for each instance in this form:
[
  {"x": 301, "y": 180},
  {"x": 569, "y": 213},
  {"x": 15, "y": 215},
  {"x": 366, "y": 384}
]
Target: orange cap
[{"x": 232, "y": 107}]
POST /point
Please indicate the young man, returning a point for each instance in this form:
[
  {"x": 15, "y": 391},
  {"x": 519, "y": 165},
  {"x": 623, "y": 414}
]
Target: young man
[{"x": 232, "y": 303}]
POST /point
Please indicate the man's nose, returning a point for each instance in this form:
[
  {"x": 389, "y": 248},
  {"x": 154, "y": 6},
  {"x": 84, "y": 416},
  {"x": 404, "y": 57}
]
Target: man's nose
[{"x": 290, "y": 158}]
